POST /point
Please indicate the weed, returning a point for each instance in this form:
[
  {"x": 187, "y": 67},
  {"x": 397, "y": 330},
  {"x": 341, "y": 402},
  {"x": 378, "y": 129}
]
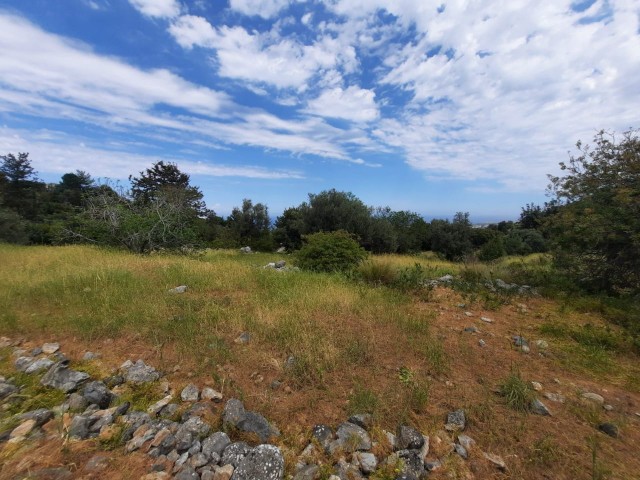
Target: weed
[
  {"x": 598, "y": 470},
  {"x": 141, "y": 396},
  {"x": 517, "y": 392},
  {"x": 116, "y": 439},
  {"x": 388, "y": 470},
  {"x": 544, "y": 451},
  {"x": 434, "y": 354},
  {"x": 419, "y": 397},
  {"x": 377, "y": 273},
  {"x": 362, "y": 400},
  {"x": 406, "y": 376}
]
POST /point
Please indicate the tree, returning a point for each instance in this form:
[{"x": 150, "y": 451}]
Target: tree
[
  {"x": 165, "y": 179},
  {"x": 289, "y": 229},
  {"x": 330, "y": 210},
  {"x": 18, "y": 169},
  {"x": 251, "y": 225},
  {"x": 21, "y": 188},
  {"x": 73, "y": 186},
  {"x": 596, "y": 230}
]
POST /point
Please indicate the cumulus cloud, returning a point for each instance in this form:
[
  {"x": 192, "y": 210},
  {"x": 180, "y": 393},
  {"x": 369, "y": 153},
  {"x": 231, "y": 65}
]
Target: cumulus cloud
[
  {"x": 353, "y": 103},
  {"x": 157, "y": 8},
  {"x": 262, "y": 8},
  {"x": 191, "y": 30}
]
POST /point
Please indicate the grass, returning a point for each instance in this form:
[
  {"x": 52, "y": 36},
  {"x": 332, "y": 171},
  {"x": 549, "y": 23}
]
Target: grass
[{"x": 517, "y": 392}]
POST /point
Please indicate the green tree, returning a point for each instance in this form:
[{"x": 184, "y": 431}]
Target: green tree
[
  {"x": 330, "y": 210},
  {"x": 596, "y": 230},
  {"x": 251, "y": 225},
  {"x": 21, "y": 188}
]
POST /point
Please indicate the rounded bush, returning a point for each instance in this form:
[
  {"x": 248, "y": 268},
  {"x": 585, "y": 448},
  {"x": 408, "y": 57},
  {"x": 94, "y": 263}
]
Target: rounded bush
[{"x": 330, "y": 252}]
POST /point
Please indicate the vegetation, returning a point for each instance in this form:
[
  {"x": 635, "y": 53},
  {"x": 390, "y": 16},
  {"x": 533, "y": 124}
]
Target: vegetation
[{"x": 330, "y": 252}]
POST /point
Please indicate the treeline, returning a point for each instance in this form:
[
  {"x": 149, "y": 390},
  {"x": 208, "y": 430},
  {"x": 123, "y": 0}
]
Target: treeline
[{"x": 162, "y": 210}]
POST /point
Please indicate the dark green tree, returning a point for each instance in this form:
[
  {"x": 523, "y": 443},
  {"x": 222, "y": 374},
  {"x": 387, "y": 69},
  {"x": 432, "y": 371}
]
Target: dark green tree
[
  {"x": 251, "y": 225},
  {"x": 596, "y": 230}
]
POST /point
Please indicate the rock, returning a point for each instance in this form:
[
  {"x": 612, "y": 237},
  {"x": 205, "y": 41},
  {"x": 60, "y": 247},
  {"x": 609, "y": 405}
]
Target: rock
[
  {"x": 234, "y": 453},
  {"x": 367, "y": 461},
  {"x": 554, "y": 397},
  {"x": 539, "y": 408},
  {"x": 323, "y": 434},
  {"x": 445, "y": 279},
  {"x": 39, "y": 365},
  {"x": 155, "y": 476},
  {"x": 536, "y": 386},
  {"x": 22, "y": 363},
  {"x": 424, "y": 450},
  {"x": 486, "y": 319},
  {"x": 139, "y": 372},
  {"x": 468, "y": 314},
  {"x": 408, "y": 438},
  {"x": 114, "y": 381},
  {"x": 195, "y": 448},
  {"x": 61, "y": 377},
  {"x": 243, "y": 338},
  {"x": 460, "y": 450},
  {"x": 280, "y": 264},
  {"x": 281, "y": 250},
  {"x": 79, "y": 428},
  {"x": 187, "y": 473},
  {"x": 22, "y": 430},
  {"x": 594, "y": 397},
  {"x": 466, "y": 441},
  {"x": 77, "y": 402},
  {"x": 190, "y": 393},
  {"x": 159, "y": 405},
  {"x": 7, "y": 389},
  {"x": 255, "y": 423},
  {"x": 608, "y": 408},
  {"x": 141, "y": 436},
  {"x": 364, "y": 420},
  {"x": 223, "y": 473},
  {"x": 519, "y": 341},
  {"x": 542, "y": 345},
  {"x": 40, "y": 416},
  {"x": 97, "y": 463},
  {"x": 496, "y": 460},
  {"x": 525, "y": 348},
  {"x": 307, "y": 472},
  {"x": 233, "y": 413},
  {"x": 456, "y": 421},
  {"x": 88, "y": 356},
  {"x": 471, "y": 329},
  {"x": 350, "y": 438},
  {"x": 179, "y": 289},
  {"x": 246, "y": 249},
  {"x": 265, "y": 462},
  {"x": 215, "y": 444},
  {"x": 189, "y": 432},
  {"x": 199, "y": 460},
  {"x": 609, "y": 428},
  {"x": 98, "y": 394},
  {"x": 482, "y": 343},
  {"x": 211, "y": 394},
  {"x": 50, "y": 348},
  {"x": 413, "y": 464}
]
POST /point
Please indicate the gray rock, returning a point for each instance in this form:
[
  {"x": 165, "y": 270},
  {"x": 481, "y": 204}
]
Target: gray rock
[
  {"x": 233, "y": 413},
  {"x": 36, "y": 351},
  {"x": 190, "y": 393},
  {"x": 79, "y": 428},
  {"x": 348, "y": 471},
  {"x": 182, "y": 459},
  {"x": 539, "y": 408},
  {"x": 189, "y": 432},
  {"x": 460, "y": 450},
  {"x": 323, "y": 434},
  {"x": 224, "y": 473},
  {"x": 542, "y": 345},
  {"x": 114, "y": 381},
  {"x": 255, "y": 423},
  {"x": 367, "y": 461},
  {"x": 496, "y": 460},
  {"x": 364, "y": 420},
  {"x": 7, "y": 389},
  {"x": 169, "y": 410},
  {"x": 350, "y": 438},
  {"x": 246, "y": 249},
  {"x": 609, "y": 428},
  {"x": 187, "y": 473},
  {"x": 39, "y": 365},
  {"x": 195, "y": 448},
  {"x": 97, "y": 393},
  {"x": 554, "y": 397},
  {"x": 139, "y": 372},
  {"x": 456, "y": 421},
  {"x": 61, "y": 377},
  {"x": 50, "y": 348},
  {"x": 179, "y": 289},
  {"x": 243, "y": 338},
  {"x": 471, "y": 329},
  {"x": 482, "y": 343},
  {"x": 88, "y": 356},
  {"x": 413, "y": 463},
  {"x": 519, "y": 341},
  {"x": 408, "y": 438},
  {"x": 307, "y": 472},
  {"x": 234, "y": 453},
  {"x": 22, "y": 363},
  {"x": 466, "y": 441},
  {"x": 215, "y": 444},
  {"x": 97, "y": 463},
  {"x": 594, "y": 397},
  {"x": 41, "y": 416},
  {"x": 280, "y": 264},
  {"x": 211, "y": 394},
  {"x": 199, "y": 460},
  {"x": 265, "y": 462}
]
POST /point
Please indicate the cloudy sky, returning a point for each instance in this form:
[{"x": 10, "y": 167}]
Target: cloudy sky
[{"x": 434, "y": 107}]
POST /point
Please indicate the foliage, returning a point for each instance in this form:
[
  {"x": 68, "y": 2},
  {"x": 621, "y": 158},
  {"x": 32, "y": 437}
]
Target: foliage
[
  {"x": 452, "y": 239},
  {"x": 596, "y": 232},
  {"x": 250, "y": 225},
  {"x": 330, "y": 252},
  {"x": 492, "y": 250},
  {"x": 12, "y": 227}
]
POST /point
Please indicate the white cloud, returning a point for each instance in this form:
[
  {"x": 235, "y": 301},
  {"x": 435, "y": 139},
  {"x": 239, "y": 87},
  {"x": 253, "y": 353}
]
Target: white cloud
[
  {"x": 157, "y": 8},
  {"x": 190, "y": 30},
  {"x": 262, "y": 8},
  {"x": 354, "y": 103}
]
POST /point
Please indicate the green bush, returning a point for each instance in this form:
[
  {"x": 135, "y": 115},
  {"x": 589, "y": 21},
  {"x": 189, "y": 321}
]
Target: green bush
[{"x": 330, "y": 252}]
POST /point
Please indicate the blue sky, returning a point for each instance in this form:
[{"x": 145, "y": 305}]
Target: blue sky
[{"x": 435, "y": 107}]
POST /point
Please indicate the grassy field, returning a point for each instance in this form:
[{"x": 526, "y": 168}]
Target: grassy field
[{"x": 399, "y": 353}]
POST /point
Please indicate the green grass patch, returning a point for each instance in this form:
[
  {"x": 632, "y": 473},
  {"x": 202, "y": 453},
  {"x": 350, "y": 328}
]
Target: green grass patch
[{"x": 517, "y": 393}]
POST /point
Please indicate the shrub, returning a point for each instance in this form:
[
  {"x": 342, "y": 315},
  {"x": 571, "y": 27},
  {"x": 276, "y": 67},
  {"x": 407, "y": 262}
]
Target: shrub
[
  {"x": 330, "y": 252},
  {"x": 517, "y": 392}
]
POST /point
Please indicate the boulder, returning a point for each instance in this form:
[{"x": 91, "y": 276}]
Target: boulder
[
  {"x": 265, "y": 462},
  {"x": 60, "y": 376},
  {"x": 97, "y": 393},
  {"x": 139, "y": 372},
  {"x": 408, "y": 438}
]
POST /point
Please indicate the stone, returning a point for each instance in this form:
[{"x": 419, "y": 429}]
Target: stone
[
  {"x": 36, "y": 351},
  {"x": 413, "y": 463},
  {"x": 139, "y": 372},
  {"x": 190, "y": 431},
  {"x": 539, "y": 408},
  {"x": 50, "y": 348},
  {"x": 233, "y": 413},
  {"x": 182, "y": 459},
  {"x": 496, "y": 460},
  {"x": 456, "y": 421},
  {"x": 97, "y": 463},
  {"x": 246, "y": 249},
  {"x": 243, "y": 338},
  {"x": 209, "y": 393},
  {"x": 424, "y": 450},
  {"x": 519, "y": 341},
  {"x": 364, "y": 420},
  {"x": 460, "y": 450},
  {"x": 466, "y": 441},
  {"x": 179, "y": 289},
  {"x": 542, "y": 345},
  {"x": 22, "y": 363},
  {"x": 255, "y": 423},
  {"x": 307, "y": 472},
  {"x": 471, "y": 329},
  {"x": 187, "y": 473},
  {"x": 609, "y": 429},
  {"x": 88, "y": 356},
  {"x": 482, "y": 343},
  {"x": 265, "y": 462},
  {"x": 525, "y": 348},
  {"x": 594, "y": 397},
  {"x": 199, "y": 460},
  {"x": 223, "y": 473},
  {"x": 323, "y": 434},
  {"x": 61, "y": 377},
  {"x": 159, "y": 405},
  {"x": 39, "y": 365},
  {"x": 24, "y": 429},
  {"x": 215, "y": 444},
  {"x": 536, "y": 386},
  {"x": 7, "y": 389},
  {"x": 350, "y": 438},
  {"x": 40, "y": 416},
  {"x": 486, "y": 319},
  {"x": 367, "y": 461},
  {"x": 190, "y": 393},
  {"x": 554, "y": 397},
  {"x": 97, "y": 393},
  {"x": 195, "y": 448},
  {"x": 155, "y": 476},
  {"x": 114, "y": 381},
  {"x": 408, "y": 438},
  {"x": 468, "y": 314},
  {"x": 608, "y": 408},
  {"x": 234, "y": 453},
  {"x": 280, "y": 264},
  {"x": 79, "y": 428}
]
